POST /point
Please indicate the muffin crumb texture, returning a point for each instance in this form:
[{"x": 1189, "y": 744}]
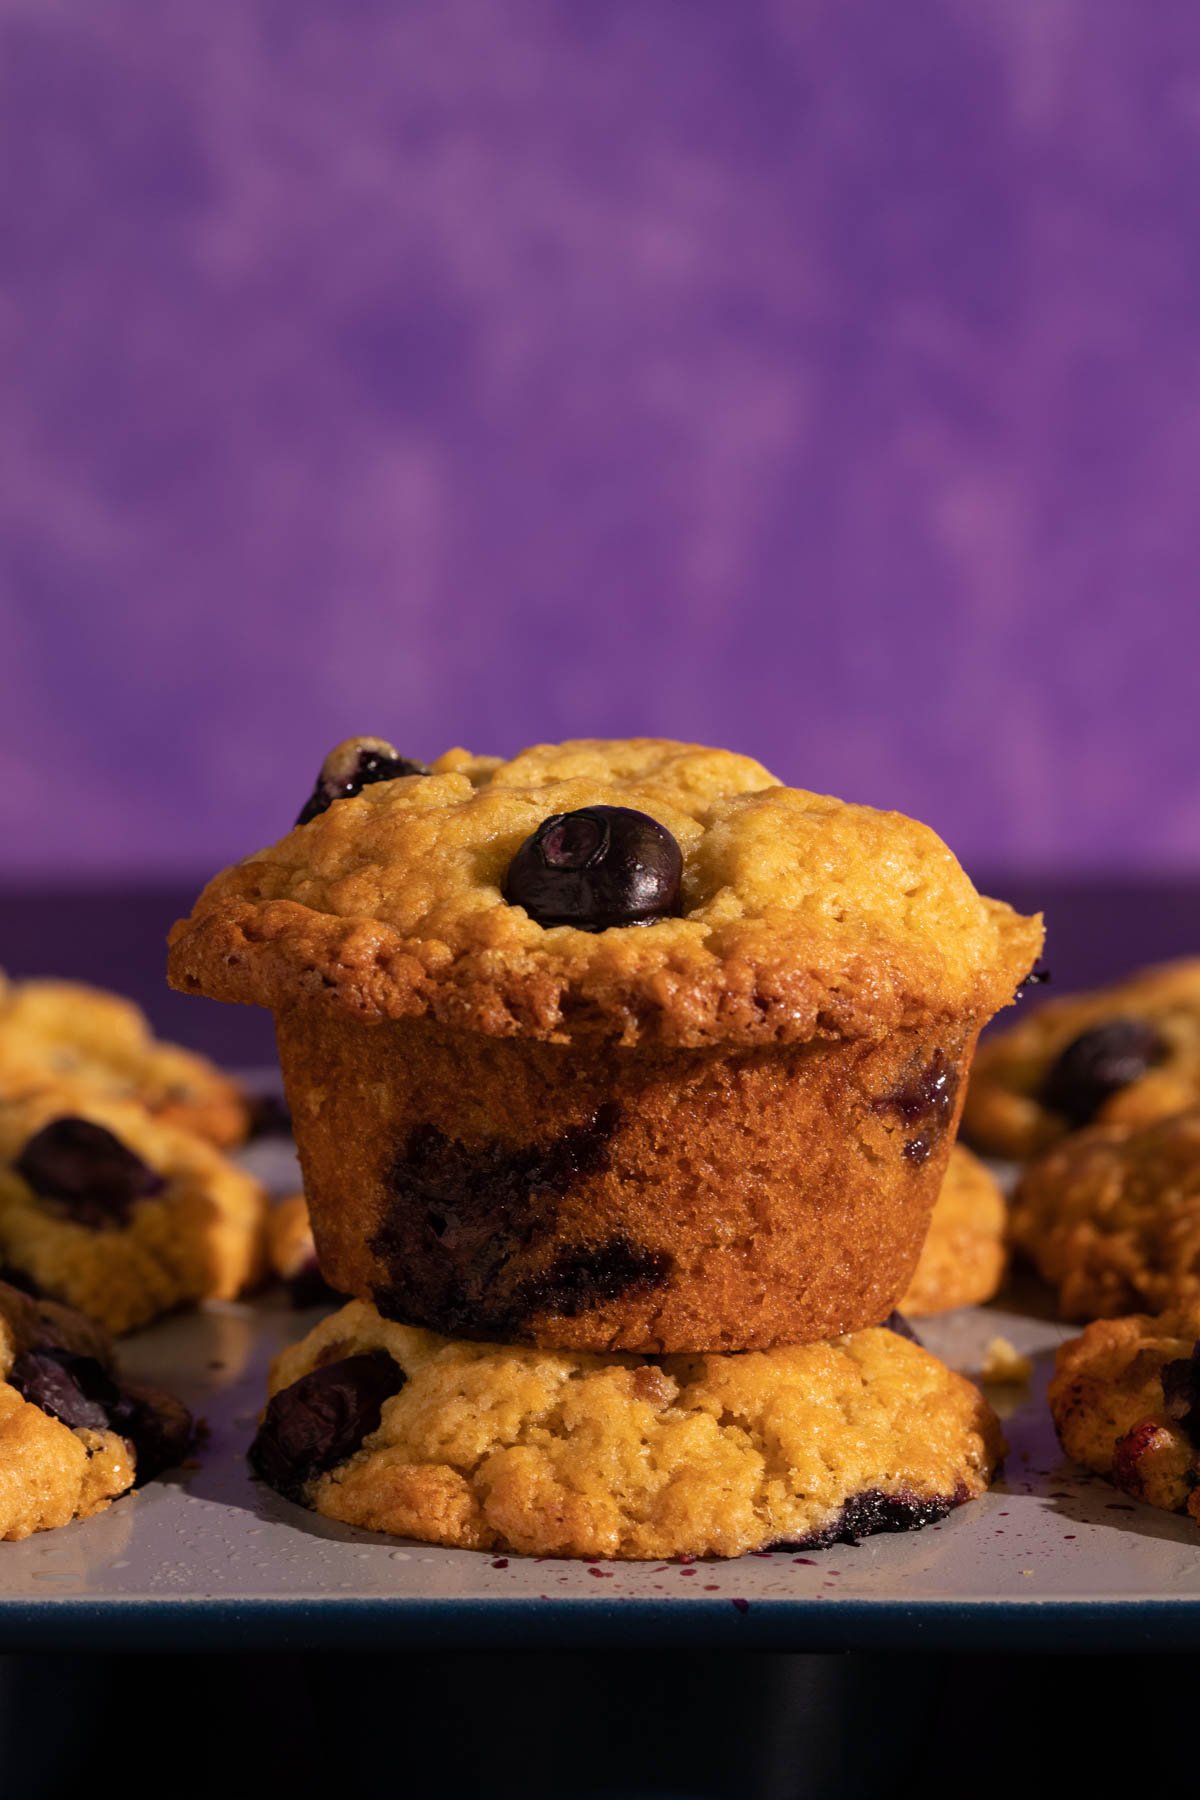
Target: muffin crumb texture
[
  {"x": 555, "y": 1454},
  {"x": 73, "y": 1435},
  {"x": 121, "y": 1214},
  {"x": 1111, "y": 1216},
  {"x": 1126, "y": 1403}
]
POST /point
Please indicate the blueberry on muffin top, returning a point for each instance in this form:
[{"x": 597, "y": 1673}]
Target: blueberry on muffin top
[{"x": 797, "y": 915}]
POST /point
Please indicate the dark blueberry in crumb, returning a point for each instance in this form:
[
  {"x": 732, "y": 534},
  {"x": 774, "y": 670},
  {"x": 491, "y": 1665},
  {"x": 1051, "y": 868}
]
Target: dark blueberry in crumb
[
  {"x": 350, "y": 768},
  {"x": 75, "y": 1389},
  {"x": 81, "y": 1393},
  {"x": 1099, "y": 1063},
  {"x": 88, "y": 1172},
  {"x": 897, "y": 1322},
  {"x": 595, "y": 868},
  {"x": 1038, "y": 976},
  {"x": 1181, "y": 1392},
  {"x": 159, "y": 1429},
  {"x": 322, "y": 1419}
]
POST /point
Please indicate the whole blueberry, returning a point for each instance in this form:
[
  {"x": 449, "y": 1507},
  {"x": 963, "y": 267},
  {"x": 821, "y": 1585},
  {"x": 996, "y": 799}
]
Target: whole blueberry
[
  {"x": 1099, "y": 1063},
  {"x": 86, "y": 1171},
  {"x": 74, "y": 1389},
  {"x": 322, "y": 1419},
  {"x": 352, "y": 766},
  {"x": 597, "y": 867}
]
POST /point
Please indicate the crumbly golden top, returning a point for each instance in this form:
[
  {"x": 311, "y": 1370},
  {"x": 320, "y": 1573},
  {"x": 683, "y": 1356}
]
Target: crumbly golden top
[
  {"x": 566, "y": 1454},
  {"x": 62, "y": 1030},
  {"x": 1112, "y": 1216},
  {"x": 802, "y": 915},
  {"x": 1114, "y": 1415},
  {"x": 1005, "y": 1114},
  {"x": 201, "y": 1236}
]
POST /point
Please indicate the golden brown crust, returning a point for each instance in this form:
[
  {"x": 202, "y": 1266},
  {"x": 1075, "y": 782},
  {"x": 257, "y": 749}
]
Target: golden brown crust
[
  {"x": 549, "y": 1454},
  {"x": 1005, "y": 1115},
  {"x": 63, "y": 1031},
  {"x": 1111, "y": 1216},
  {"x": 596, "y": 1198},
  {"x": 200, "y": 1238},
  {"x": 963, "y": 1259},
  {"x": 51, "y": 1474},
  {"x": 803, "y": 916},
  {"x": 1113, "y": 1416}
]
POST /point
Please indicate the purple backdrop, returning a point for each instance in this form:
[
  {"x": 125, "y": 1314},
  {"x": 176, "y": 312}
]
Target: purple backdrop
[{"x": 815, "y": 376}]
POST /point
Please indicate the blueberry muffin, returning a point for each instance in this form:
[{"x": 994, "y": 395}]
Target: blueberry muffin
[
  {"x": 292, "y": 1254},
  {"x": 1125, "y": 1055},
  {"x": 73, "y": 1434},
  {"x": 565, "y": 1454},
  {"x": 1111, "y": 1216},
  {"x": 1126, "y": 1402},
  {"x": 963, "y": 1259},
  {"x": 119, "y": 1214},
  {"x": 59, "y": 1030},
  {"x": 617, "y": 1045}
]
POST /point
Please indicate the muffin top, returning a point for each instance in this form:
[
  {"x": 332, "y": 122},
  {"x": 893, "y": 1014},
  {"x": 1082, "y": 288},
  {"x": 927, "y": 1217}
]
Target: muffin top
[{"x": 797, "y": 915}]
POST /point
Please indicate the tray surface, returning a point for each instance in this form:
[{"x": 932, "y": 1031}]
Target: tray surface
[{"x": 1051, "y": 1557}]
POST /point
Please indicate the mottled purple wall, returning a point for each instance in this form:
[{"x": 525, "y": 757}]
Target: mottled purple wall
[{"x": 817, "y": 376}]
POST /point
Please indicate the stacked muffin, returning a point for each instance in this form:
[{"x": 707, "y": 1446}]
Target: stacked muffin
[{"x": 624, "y": 1080}]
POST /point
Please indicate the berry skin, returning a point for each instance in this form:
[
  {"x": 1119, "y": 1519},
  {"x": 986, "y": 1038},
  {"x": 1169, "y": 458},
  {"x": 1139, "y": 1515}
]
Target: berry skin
[{"x": 599, "y": 867}]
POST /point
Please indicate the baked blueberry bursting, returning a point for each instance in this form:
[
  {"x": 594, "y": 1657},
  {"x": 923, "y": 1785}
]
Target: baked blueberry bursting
[
  {"x": 322, "y": 1419},
  {"x": 926, "y": 1101},
  {"x": 455, "y": 1243},
  {"x": 1099, "y": 1063},
  {"x": 87, "y": 1172},
  {"x": 350, "y": 768},
  {"x": 79, "y": 1392},
  {"x": 74, "y": 1389},
  {"x": 595, "y": 868}
]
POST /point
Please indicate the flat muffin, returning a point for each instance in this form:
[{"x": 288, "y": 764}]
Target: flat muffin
[
  {"x": 1111, "y": 1216},
  {"x": 1124, "y": 1055},
  {"x": 73, "y": 1434},
  {"x": 547, "y": 1454},
  {"x": 1126, "y": 1402},
  {"x": 119, "y": 1214},
  {"x": 965, "y": 1255},
  {"x": 62, "y": 1031},
  {"x": 613, "y": 1046}
]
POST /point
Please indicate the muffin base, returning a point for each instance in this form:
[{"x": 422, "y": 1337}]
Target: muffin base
[
  {"x": 551, "y": 1454},
  {"x": 593, "y": 1198}
]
